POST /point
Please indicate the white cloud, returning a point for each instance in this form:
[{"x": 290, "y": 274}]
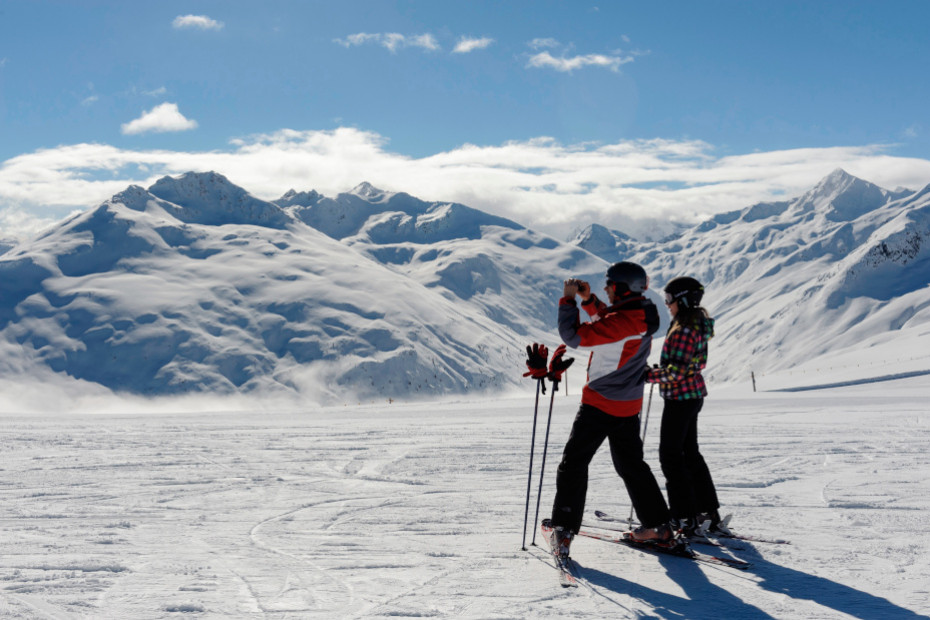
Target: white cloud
[
  {"x": 360, "y": 38},
  {"x": 391, "y": 40},
  {"x": 426, "y": 41},
  {"x": 162, "y": 118},
  {"x": 470, "y": 44},
  {"x": 545, "y": 60},
  {"x": 540, "y": 183},
  {"x": 92, "y": 99},
  {"x": 538, "y": 44},
  {"x": 158, "y": 92},
  {"x": 201, "y": 22}
]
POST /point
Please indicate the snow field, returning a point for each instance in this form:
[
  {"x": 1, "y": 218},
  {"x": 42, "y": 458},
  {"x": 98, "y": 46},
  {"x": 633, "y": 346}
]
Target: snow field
[{"x": 416, "y": 510}]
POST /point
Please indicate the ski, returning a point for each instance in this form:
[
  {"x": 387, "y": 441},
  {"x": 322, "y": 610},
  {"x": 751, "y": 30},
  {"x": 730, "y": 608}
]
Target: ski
[
  {"x": 725, "y": 533},
  {"x": 567, "y": 578},
  {"x": 567, "y": 571},
  {"x": 681, "y": 549}
]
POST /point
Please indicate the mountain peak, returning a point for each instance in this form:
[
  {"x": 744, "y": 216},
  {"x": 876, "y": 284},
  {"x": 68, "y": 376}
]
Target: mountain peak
[
  {"x": 368, "y": 191},
  {"x": 303, "y": 199},
  {"x": 843, "y": 197},
  {"x": 209, "y": 178},
  {"x": 134, "y": 197},
  {"x": 211, "y": 198},
  {"x": 838, "y": 176},
  {"x": 834, "y": 183},
  {"x": 603, "y": 242}
]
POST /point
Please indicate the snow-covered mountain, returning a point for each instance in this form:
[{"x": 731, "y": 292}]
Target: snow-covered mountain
[
  {"x": 611, "y": 245},
  {"x": 845, "y": 265},
  {"x": 505, "y": 271},
  {"x": 195, "y": 285}
]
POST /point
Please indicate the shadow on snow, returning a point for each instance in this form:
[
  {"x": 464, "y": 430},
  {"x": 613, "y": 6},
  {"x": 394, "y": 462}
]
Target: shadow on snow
[{"x": 704, "y": 599}]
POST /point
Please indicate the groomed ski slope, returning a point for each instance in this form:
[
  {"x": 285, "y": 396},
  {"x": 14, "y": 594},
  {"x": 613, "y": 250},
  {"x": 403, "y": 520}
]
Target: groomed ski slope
[{"x": 416, "y": 510}]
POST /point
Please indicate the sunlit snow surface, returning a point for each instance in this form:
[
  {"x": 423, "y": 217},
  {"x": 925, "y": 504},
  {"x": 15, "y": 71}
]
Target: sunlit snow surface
[{"x": 416, "y": 510}]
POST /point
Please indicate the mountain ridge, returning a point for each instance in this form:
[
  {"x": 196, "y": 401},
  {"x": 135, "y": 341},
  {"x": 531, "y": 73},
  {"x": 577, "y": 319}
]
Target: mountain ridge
[
  {"x": 155, "y": 297},
  {"x": 196, "y": 285}
]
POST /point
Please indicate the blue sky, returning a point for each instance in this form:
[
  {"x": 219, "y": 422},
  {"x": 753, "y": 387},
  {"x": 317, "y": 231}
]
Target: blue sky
[{"x": 613, "y": 111}]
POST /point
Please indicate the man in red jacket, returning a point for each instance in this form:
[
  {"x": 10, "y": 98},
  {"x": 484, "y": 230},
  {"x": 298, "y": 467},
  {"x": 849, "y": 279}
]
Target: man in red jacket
[{"x": 619, "y": 336}]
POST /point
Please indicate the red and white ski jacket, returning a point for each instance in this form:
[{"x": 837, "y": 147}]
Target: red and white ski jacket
[{"x": 620, "y": 340}]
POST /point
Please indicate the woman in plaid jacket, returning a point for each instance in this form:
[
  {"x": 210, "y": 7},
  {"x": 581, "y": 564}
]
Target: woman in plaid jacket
[{"x": 692, "y": 496}]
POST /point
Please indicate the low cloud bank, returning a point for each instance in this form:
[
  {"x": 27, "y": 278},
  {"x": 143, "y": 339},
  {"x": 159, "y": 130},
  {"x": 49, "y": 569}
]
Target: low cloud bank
[{"x": 540, "y": 183}]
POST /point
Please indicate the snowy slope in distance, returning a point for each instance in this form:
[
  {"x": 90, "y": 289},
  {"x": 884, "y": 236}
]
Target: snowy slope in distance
[
  {"x": 196, "y": 285},
  {"x": 505, "y": 271},
  {"x": 795, "y": 280}
]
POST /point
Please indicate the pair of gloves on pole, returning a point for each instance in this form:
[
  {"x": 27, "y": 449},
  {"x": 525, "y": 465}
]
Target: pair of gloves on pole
[{"x": 538, "y": 367}]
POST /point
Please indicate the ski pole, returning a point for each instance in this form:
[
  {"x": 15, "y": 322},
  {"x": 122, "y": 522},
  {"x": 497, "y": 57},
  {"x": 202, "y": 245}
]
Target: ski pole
[
  {"x": 542, "y": 467},
  {"x": 648, "y": 407},
  {"x": 645, "y": 427},
  {"x": 529, "y": 480}
]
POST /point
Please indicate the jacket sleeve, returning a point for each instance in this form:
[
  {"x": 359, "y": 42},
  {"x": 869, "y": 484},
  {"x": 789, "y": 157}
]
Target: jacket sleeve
[
  {"x": 615, "y": 327},
  {"x": 612, "y": 328},
  {"x": 594, "y": 306},
  {"x": 677, "y": 354},
  {"x": 569, "y": 322}
]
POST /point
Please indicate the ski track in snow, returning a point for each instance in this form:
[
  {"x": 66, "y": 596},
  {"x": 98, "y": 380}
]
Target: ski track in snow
[{"x": 417, "y": 511}]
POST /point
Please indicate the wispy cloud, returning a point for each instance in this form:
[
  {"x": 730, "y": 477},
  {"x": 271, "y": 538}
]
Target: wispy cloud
[
  {"x": 540, "y": 183},
  {"x": 470, "y": 44},
  {"x": 538, "y": 44},
  {"x": 392, "y": 41},
  {"x": 567, "y": 64},
  {"x": 200, "y": 22},
  {"x": 156, "y": 92},
  {"x": 160, "y": 119},
  {"x": 90, "y": 100},
  {"x": 3, "y": 62}
]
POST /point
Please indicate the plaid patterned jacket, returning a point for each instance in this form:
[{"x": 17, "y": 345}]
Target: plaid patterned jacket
[{"x": 684, "y": 356}]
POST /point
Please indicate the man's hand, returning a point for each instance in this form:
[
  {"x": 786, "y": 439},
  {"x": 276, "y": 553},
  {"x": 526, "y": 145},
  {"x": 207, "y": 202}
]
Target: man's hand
[
  {"x": 570, "y": 288},
  {"x": 574, "y": 287},
  {"x": 584, "y": 290},
  {"x": 558, "y": 366},
  {"x": 536, "y": 356}
]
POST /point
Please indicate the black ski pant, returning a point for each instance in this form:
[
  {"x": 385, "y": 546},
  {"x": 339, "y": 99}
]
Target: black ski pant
[
  {"x": 589, "y": 430},
  {"x": 687, "y": 479}
]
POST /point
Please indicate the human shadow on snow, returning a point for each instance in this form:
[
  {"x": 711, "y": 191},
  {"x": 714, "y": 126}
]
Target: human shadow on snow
[
  {"x": 803, "y": 586},
  {"x": 704, "y": 599}
]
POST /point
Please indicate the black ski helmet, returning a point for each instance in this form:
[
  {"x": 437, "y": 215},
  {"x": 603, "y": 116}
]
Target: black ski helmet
[
  {"x": 629, "y": 277},
  {"x": 688, "y": 292}
]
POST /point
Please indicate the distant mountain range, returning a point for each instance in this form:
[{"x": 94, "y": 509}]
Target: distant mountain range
[
  {"x": 194, "y": 285},
  {"x": 844, "y": 265}
]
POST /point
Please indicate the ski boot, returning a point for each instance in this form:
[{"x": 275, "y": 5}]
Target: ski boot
[
  {"x": 560, "y": 540},
  {"x": 662, "y": 535}
]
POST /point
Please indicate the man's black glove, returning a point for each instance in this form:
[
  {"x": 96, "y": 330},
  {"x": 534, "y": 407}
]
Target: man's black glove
[
  {"x": 558, "y": 366},
  {"x": 536, "y": 357}
]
